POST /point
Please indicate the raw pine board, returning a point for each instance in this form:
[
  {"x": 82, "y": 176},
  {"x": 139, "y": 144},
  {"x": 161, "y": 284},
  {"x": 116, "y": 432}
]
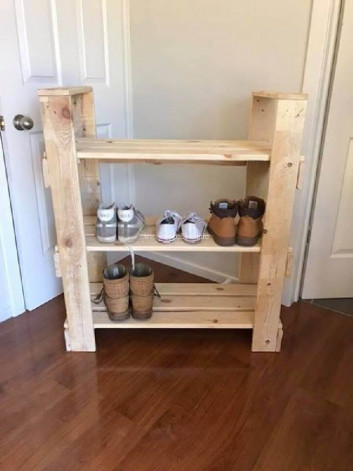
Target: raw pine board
[
  {"x": 181, "y": 320},
  {"x": 147, "y": 242},
  {"x": 190, "y": 305},
  {"x": 173, "y": 151}
]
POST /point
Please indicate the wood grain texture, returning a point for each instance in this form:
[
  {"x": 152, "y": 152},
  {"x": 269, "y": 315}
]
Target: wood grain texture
[
  {"x": 58, "y": 130},
  {"x": 85, "y": 126},
  {"x": 147, "y": 242},
  {"x": 64, "y": 91},
  {"x": 177, "y": 400},
  {"x": 202, "y": 319},
  {"x": 285, "y": 120},
  {"x": 281, "y": 96},
  {"x": 173, "y": 151}
]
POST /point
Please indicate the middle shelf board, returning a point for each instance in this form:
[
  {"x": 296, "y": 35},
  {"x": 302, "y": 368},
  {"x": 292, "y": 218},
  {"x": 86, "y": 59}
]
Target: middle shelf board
[
  {"x": 147, "y": 242},
  {"x": 226, "y": 152}
]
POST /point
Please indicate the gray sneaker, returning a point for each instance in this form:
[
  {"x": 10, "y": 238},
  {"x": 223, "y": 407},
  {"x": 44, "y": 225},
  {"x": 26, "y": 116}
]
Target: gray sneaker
[
  {"x": 106, "y": 223},
  {"x": 130, "y": 224}
]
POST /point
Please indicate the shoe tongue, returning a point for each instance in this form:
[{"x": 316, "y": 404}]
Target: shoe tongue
[
  {"x": 126, "y": 215},
  {"x": 191, "y": 217},
  {"x": 223, "y": 205}
]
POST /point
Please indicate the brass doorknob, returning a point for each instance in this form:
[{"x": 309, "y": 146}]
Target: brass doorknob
[{"x": 23, "y": 123}]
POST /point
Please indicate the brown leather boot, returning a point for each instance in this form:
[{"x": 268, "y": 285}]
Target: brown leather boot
[
  {"x": 142, "y": 291},
  {"x": 249, "y": 230},
  {"x": 221, "y": 224},
  {"x": 116, "y": 291}
]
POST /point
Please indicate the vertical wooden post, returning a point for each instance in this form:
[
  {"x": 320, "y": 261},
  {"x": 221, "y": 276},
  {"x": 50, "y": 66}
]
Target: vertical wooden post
[
  {"x": 278, "y": 119},
  {"x": 85, "y": 126},
  {"x": 58, "y": 111}
]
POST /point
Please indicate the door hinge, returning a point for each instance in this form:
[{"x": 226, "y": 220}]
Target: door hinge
[
  {"x": 2, "y": 123},
  {"x": 308, "y": 237}
]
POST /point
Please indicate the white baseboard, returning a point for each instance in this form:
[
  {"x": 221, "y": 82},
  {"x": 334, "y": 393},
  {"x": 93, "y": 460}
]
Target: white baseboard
[{"x": 194, "y": 268}]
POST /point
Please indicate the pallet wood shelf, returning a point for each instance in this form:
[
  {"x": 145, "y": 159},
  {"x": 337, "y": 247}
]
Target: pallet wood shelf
[
  {"x": 274, "y": 168},
  {"x": 173, "y": 151},
  {"x": 147, "y": 242}
]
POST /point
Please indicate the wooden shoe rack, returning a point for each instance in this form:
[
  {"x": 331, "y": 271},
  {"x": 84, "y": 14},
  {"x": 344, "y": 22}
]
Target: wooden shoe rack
[{"x": 71, "y": 169}]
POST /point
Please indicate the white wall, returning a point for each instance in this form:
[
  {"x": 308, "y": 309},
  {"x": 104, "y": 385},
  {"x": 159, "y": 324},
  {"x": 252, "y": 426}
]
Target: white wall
[{"x": 194, "y": 64}]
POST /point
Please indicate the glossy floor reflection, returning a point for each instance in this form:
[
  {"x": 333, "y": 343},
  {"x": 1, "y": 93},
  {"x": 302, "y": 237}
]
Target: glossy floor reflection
[{"x": 173, "y": 400}]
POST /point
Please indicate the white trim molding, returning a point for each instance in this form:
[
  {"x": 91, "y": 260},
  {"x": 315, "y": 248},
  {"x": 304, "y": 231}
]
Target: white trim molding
[
  {"x": 128, "y": 92},
  {"x": 316, "y": 80}
]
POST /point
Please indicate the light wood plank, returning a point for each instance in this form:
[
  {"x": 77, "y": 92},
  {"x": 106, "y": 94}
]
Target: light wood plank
[
  {"x": 289, "y": 264},
  {"x": 180, "y": 320},
  {"x": 196, "y": 289},
  {"x": 168, "y": 303},
  {"x": 147, "y": 242},
  {"x": 58, "y": 129},
  {"x": 164, "y": 151},
  {"x": 85, "y": 126},
  {"x": 281, "y": 96},
  {"x": 46, "y": 92},
  {"x": 300, "y": 176},
  {"x": 285, "y": 120}
]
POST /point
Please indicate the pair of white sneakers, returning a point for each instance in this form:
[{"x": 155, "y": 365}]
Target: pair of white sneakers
[{"x": 191, "y": 226}]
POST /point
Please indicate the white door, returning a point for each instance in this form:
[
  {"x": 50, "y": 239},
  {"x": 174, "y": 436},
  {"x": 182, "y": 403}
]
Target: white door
[
  {"x": 329, "y": 268},
  {"x": 11, "y": 296},
  {"x": 51, "y": 43}
]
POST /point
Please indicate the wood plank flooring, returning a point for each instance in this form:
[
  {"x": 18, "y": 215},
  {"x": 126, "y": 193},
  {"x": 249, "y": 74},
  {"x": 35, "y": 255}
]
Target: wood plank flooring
[{"x": 177, "y": 400}]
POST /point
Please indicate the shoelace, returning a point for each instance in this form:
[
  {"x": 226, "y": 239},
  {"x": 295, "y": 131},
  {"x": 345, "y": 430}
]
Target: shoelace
[
  {"x": 192, "y": 217},
  {"x": 168, "y": 213}
]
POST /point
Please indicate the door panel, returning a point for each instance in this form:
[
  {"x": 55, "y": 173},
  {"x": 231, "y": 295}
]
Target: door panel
[
  {"x": 37, "y": 31},
  {"x": 329, "y": 269},
  {"x": 93, "y": 41}
]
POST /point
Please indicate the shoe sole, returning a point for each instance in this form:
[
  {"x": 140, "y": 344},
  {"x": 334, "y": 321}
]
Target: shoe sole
[
  {"x": 192, "y": 241},
  {"x": 166, "y": 241},
  {"x": 142, "y": 316},
  {"x": 223, "y": 241},
  {"x": 117, "y": 317},
  {"x": 106, "y": 240},
  {"x": 247, "y": 241}
]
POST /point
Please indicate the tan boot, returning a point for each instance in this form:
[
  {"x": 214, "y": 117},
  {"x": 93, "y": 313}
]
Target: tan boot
[
  {"x": 221, "y": 224},
  {"x": 116, "y": 291},
  {"x": 249, "y": 230},
  {"x": 142, "y": 291}
]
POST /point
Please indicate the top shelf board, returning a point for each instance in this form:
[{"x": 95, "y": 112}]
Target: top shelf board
[
  {"x": 173, "y": 151},
  {"x": 280, "y": 96},
  {"x": 71, "y": 91}
]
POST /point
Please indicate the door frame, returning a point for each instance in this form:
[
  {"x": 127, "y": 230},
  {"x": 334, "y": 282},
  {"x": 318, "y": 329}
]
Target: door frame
[
  {"x": 8, "y": 245},
  {"x": 323, "y": 29}
]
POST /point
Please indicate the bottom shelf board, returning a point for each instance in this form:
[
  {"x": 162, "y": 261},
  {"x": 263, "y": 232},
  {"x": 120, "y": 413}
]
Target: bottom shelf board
[
  {"x": 190, "y": 306},
  {"x": 181, "y": 320}
]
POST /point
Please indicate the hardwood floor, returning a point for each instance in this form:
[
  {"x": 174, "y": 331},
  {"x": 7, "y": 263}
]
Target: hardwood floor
[{"x": 170, "y": 400}]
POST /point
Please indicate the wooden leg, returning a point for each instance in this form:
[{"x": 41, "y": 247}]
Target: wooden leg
[
  {"x": 67, "y": 339},
  {"x": 285, "y": 124},
  {"x": 279, "y": 338},
  {"x": 249, "y": 267},
  {"x": 65, "y": 188}
]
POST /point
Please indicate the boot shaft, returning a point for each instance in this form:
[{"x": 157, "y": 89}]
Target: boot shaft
[
  {"x": 116, "y": 281},
  {"x": 142, "y": 280},
  {"x": 250, "y": 226}
]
